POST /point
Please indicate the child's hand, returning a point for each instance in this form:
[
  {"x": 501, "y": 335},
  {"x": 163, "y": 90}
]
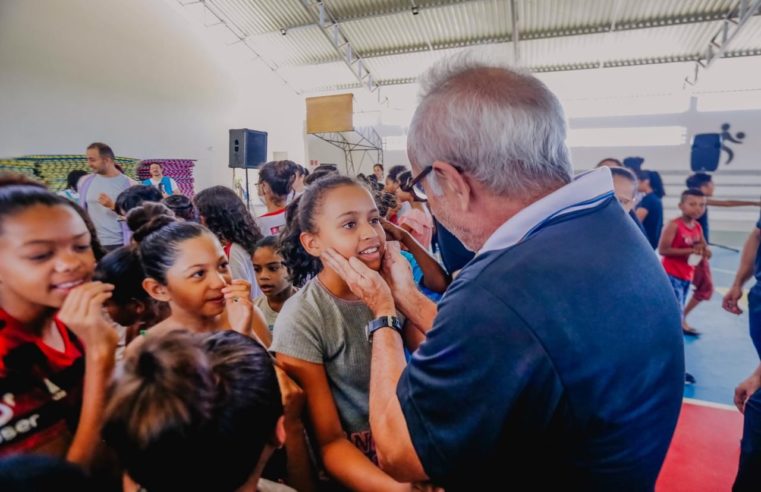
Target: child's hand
[
  {"x": 238, "y": 305},
  {"x": 393, "y": 231},
  {"x": 397, "y": 271},
  {"x": 707, "y": 253},
  {"x": 698, "y": 248},
  {"x": 745, "y": 389},
  {"x": 82, "y": 313},
  {"x": 729, "y": 303},
  {"x": 106, "y": 201}
]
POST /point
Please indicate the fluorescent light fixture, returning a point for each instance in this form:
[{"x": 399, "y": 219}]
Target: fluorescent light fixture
[{"x": 643, "y": 136}]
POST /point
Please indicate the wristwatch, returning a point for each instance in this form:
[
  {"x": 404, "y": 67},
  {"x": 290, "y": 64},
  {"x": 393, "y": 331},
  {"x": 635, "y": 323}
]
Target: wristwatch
[{"x": 383, "y": 322}]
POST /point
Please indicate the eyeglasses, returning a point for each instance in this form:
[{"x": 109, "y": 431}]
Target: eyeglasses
[{"x": 416, "y": 189}]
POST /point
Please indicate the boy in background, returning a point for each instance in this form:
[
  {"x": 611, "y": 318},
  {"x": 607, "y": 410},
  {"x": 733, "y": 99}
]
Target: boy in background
[
  {"x": 703, "y": 278},
  {"x": 682, "y": 245}
]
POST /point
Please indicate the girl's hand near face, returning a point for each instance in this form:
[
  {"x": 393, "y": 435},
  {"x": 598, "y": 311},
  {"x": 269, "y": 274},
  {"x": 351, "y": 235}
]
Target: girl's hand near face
[
  {"x": 238, "y": 305},
  {"x": 243, "y": 316},
  {"x": 82, "y": 312}
]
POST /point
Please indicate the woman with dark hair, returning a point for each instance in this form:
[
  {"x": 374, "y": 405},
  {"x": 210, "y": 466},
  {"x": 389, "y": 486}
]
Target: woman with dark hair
[
  {"x": 224, "y": 213},
  {"x": 650, "y": 208},
  {"x": 276, "y": 181}
]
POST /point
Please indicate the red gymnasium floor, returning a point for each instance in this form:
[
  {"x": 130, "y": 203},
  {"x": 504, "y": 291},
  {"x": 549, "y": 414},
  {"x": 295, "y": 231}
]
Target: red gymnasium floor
[{"x": 705, "y": 450}]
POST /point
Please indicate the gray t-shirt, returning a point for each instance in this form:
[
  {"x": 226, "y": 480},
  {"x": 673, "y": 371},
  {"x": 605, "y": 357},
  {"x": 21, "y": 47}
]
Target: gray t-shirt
[
  {"x": 106, "y": 221},
  {"x": 270, "y": 315},
  {"x": 318, "y": 327}
]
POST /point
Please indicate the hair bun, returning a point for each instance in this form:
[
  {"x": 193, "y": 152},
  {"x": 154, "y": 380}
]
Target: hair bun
[
  {"x": 149, "y": 218},
  {"x": 148, "y": 366}
]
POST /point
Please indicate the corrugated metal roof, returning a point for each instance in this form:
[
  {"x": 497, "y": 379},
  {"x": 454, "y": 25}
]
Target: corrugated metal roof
[
  {"x": 555, "y": 34},
  {"x": 310, "y": 77},
  {"x": 305, "y": 46},
  {"x": 260, "y": 16}
]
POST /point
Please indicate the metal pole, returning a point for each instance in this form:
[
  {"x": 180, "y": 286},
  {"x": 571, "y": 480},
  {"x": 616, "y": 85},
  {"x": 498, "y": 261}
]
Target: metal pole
[{"x": 514, "y": 18}]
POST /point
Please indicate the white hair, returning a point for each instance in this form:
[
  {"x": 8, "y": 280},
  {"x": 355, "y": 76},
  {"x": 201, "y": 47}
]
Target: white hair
[{"x": 500, "y": 125}]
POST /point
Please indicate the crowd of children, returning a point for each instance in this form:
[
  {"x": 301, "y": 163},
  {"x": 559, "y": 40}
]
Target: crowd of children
[
  {"x": 150, "y": 359},
  {"x": 148, "y": 362}
]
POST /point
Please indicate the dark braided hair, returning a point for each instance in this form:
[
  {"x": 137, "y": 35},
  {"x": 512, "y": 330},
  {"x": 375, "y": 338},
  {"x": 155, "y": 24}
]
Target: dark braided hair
[
  {"x": 225, "y": 214},
  {"x": 299, "y": 217}
]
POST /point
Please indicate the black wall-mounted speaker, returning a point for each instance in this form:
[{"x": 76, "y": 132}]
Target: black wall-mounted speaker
[
  {"x": 706, "y": 151},
  {"x": 248, "y": 148}
]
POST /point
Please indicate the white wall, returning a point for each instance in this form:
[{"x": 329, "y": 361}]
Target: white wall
[
  {"x": 739, "y": 180},
  {"x": 141, "y": 75},
  {"x": 325, "y": 153}
]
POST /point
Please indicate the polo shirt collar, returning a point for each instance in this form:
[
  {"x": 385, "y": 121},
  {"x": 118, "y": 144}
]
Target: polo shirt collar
[{"x": 587, "y": 190}]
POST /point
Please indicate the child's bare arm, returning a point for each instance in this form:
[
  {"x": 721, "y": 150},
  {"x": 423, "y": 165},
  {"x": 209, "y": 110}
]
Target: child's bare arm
[
  {"x": 664, "y": 246},
  {"x": 435, "y": 277},
  {"x": 732, "y": 203}
]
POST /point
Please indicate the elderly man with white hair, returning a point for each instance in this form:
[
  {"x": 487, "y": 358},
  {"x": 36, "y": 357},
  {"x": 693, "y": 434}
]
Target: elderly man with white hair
[{"x": 556, "y": 355}]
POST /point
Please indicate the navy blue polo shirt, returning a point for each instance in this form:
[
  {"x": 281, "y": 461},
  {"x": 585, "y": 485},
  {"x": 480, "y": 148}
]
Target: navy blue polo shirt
[
  {"x": 634, "y": 217},
  {"x": 453, "y": 253},
  {"x": 556, "y": 355}
]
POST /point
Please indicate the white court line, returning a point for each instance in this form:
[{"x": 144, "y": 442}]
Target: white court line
[
  {"x": 721, "y": 270},
  {"x": 710, "y": 404}
]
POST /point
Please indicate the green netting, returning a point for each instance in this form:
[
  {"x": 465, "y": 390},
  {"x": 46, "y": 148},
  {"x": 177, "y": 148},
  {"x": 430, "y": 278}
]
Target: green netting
[{"x": 53, "y": 169}]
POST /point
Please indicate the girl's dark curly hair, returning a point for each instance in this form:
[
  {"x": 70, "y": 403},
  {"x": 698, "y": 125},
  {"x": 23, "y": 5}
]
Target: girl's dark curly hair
[
  {"x": 224, "y": 213},
  {"x": 299, "y": 217}
]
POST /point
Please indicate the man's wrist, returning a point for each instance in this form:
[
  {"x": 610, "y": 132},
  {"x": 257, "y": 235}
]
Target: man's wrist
[{"x": 384, "y": 311}]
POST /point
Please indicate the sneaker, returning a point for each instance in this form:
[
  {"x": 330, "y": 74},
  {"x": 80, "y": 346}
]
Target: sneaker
[
  {"x": 689, "y": 378},
  {"x": 691, "y": 332}
]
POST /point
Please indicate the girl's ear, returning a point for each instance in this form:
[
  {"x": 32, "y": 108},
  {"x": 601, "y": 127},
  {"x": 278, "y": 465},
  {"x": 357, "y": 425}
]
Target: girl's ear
[
  {"x": 156, "y": 289},
  {"x": 311, "y": 243}
]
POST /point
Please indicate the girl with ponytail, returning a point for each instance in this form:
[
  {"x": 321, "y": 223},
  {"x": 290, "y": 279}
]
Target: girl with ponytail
[
  {"x": 319, "y": 335},
  {"x": 186, "y": 267}
]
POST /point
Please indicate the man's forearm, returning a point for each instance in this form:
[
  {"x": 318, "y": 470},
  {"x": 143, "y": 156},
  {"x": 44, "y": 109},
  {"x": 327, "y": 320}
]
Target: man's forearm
[
  {"x": 393, "y": 444},
  {"x": 747, "y": 259},
  {"x": 417, "y": 308}
]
